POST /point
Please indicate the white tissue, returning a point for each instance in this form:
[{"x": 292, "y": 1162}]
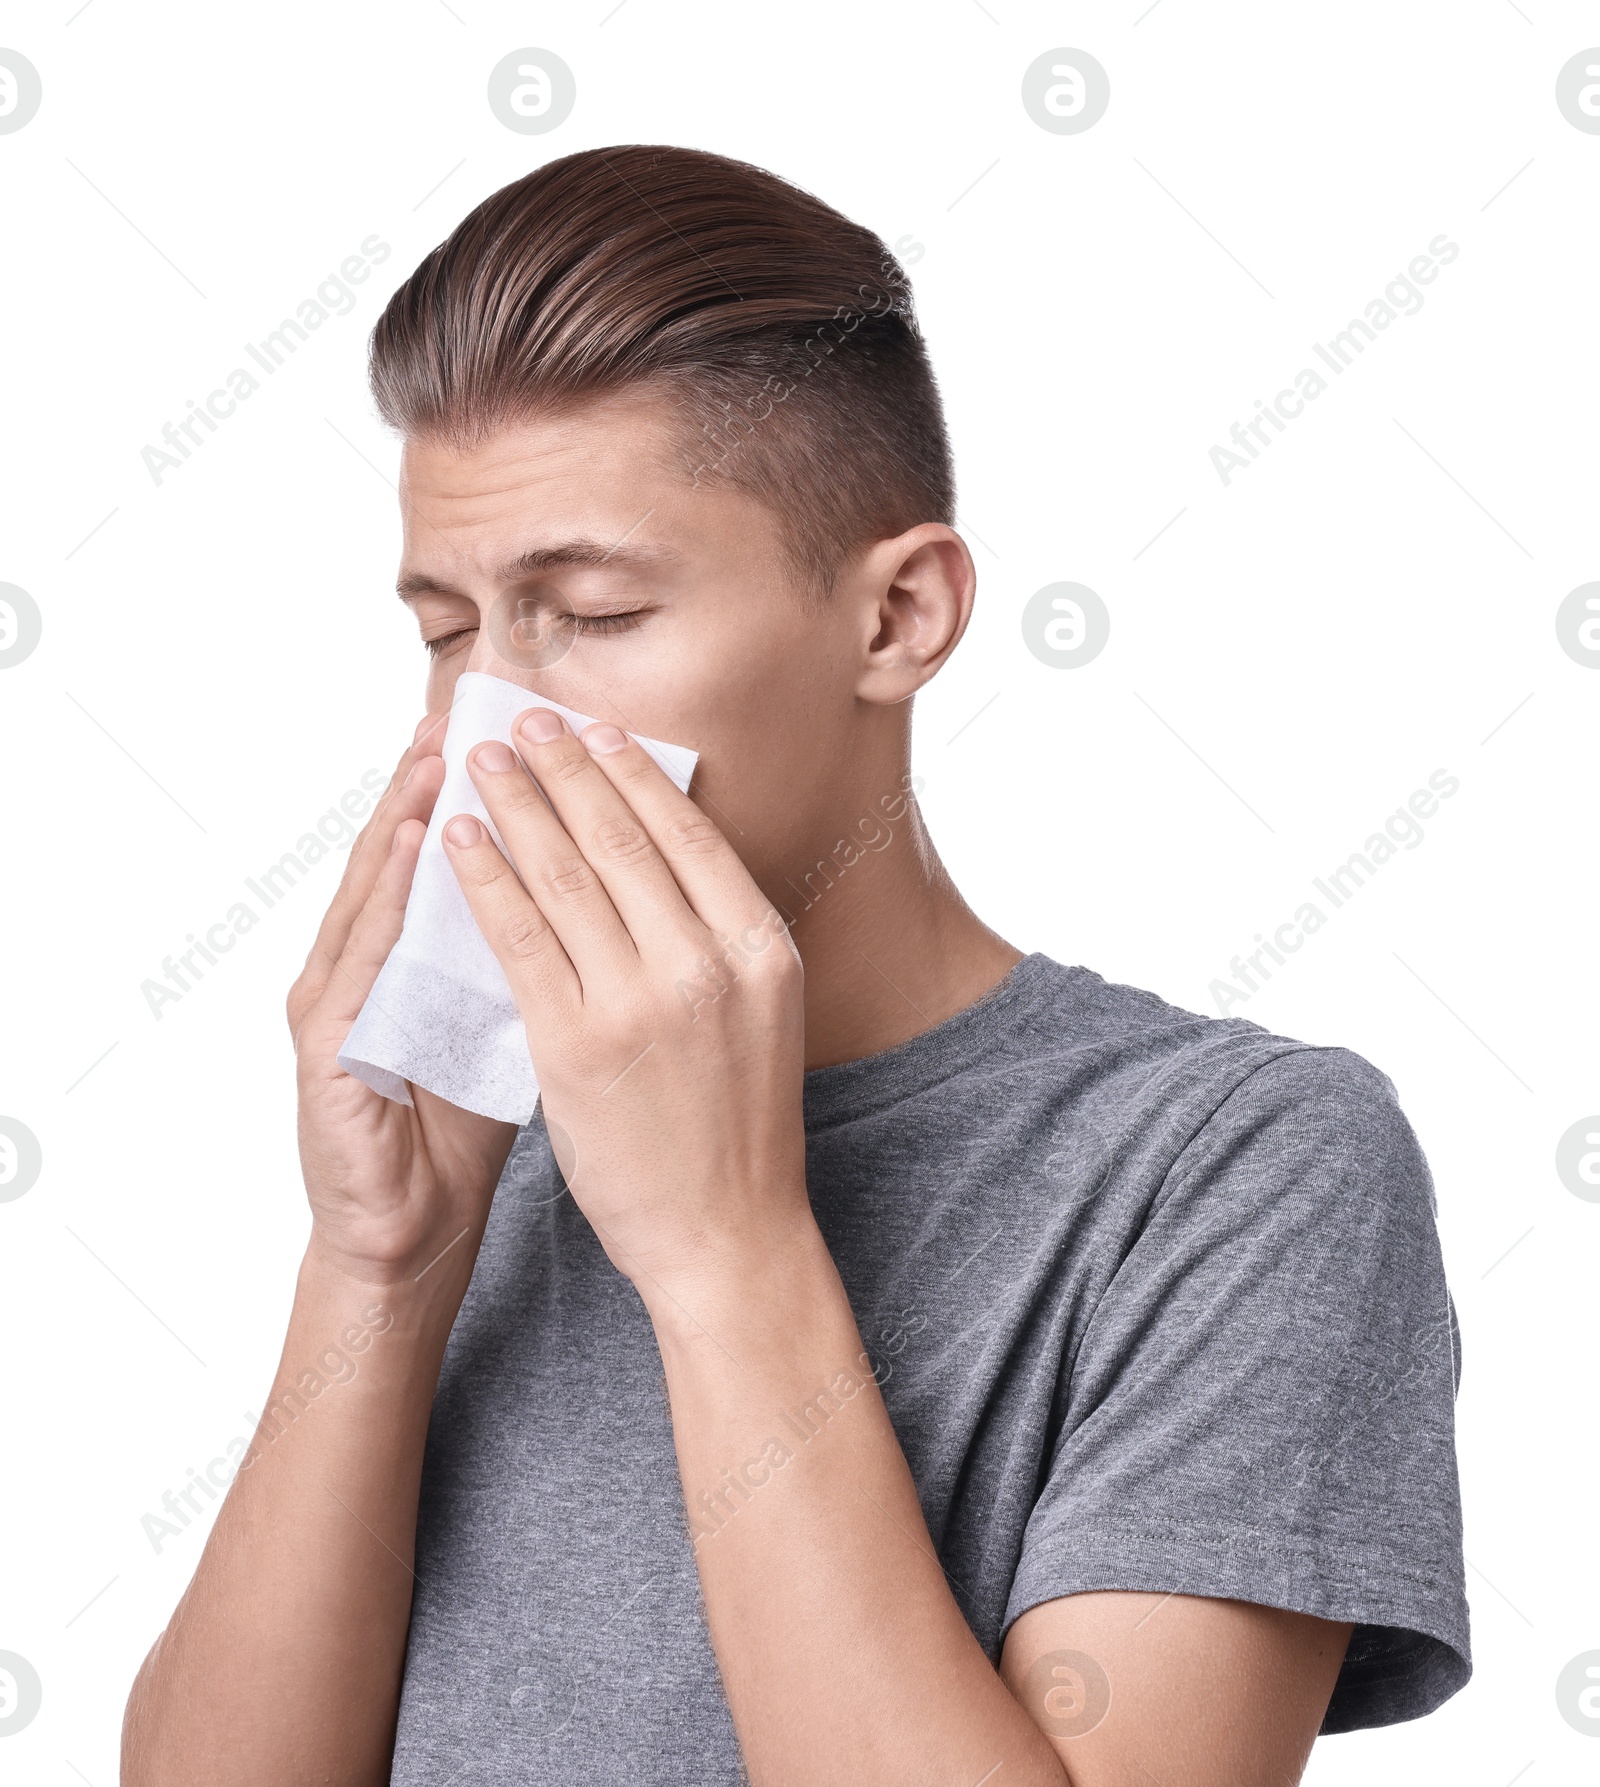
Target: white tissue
[{"x": 440, "y": 1014}]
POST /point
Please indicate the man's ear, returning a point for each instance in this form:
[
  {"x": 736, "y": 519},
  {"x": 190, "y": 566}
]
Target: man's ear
[{"x": 916, "y": 599}]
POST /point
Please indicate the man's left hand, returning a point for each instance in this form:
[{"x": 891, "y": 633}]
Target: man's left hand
[{"x": 662, "y": 997}]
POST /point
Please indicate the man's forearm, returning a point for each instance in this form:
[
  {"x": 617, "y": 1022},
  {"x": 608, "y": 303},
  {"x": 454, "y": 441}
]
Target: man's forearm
[
  {"x": 844, "y": 1653},
  {"x": 283, "y": 1660}
]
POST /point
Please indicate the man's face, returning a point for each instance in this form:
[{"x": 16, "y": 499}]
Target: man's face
[{"x": 575, "y": 556}]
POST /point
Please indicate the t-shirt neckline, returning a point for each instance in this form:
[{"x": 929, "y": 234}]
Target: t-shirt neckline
[{"x": 849, "y": 1090}]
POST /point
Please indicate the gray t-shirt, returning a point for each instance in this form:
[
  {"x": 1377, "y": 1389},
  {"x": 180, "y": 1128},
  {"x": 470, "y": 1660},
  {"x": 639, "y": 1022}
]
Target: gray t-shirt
[{"x": 1156, "y": 1302}]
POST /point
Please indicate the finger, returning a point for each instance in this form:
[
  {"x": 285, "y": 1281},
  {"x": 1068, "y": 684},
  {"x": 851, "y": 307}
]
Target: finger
[
  {"x": 704, "y": 864},
  {"x": 525, "y": 942},
  {"x": 410, "y": 795},
  {"x": 372, "y": 936},
  {"x": 371, "y": 848},
  {"x": 554, "y": 870},
  {"x": 606, "y": 829}
]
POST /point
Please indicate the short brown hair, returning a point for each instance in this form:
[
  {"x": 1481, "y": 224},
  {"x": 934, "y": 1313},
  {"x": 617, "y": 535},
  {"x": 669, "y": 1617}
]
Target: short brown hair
[{"x": 782, "y": 332}]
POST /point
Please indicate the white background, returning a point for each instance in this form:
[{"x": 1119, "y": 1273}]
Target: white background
[{"x": 222, "y": 657}]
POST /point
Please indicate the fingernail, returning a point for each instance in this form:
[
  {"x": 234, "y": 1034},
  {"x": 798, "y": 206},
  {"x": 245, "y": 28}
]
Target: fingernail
[
  {"x": 494, "y": 757},
  {"x": 605, "y": 738},
  {"x": 542, "y": 725},
  {"x": 464, "y": 831}
]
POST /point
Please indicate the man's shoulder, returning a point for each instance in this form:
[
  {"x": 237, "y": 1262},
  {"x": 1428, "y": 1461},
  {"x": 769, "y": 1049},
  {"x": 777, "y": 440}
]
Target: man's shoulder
[
  {"x": 1079, "y": 1014},
  {"x": 1112, "y": 1045},
  {"x": 1059, "y": 1061}
]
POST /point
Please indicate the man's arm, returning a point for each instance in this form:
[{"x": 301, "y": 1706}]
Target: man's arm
[
  {"x": 1195, "y": 1692},
  {"x": 283, "y": 1660},
  {"x": 665, "y": 1017},
  {"x": 840, "y": 1639},
  {"x": 841, "y": 1644}
]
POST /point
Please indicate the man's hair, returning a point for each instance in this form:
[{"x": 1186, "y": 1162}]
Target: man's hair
[{"x": 781, "y": 333}]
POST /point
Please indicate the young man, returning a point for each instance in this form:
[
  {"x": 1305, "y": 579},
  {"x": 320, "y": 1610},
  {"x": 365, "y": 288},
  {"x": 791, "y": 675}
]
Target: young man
[{"x": 928, "y": 1364}]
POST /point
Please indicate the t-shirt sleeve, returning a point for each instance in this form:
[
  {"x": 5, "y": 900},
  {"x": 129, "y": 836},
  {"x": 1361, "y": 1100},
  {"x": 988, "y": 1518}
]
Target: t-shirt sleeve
[{"x": 1261, "y": 1407}]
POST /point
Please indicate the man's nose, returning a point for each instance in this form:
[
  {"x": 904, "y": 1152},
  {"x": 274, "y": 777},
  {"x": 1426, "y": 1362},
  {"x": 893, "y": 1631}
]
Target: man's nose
[{"x": 521, "y": 636}]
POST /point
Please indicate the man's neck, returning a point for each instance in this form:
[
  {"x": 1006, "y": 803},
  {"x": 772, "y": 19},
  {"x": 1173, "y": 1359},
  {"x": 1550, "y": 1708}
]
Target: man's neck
[{"x": 890, "y": 947}]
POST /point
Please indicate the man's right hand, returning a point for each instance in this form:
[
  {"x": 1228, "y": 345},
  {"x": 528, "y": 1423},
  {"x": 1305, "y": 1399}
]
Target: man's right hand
[
  {"x": 391, "y": 1186},
  {"x": 303, "y": 1594}
]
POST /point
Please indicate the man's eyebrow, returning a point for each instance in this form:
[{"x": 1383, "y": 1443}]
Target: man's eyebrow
[{"x": 537, "y": 559}]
